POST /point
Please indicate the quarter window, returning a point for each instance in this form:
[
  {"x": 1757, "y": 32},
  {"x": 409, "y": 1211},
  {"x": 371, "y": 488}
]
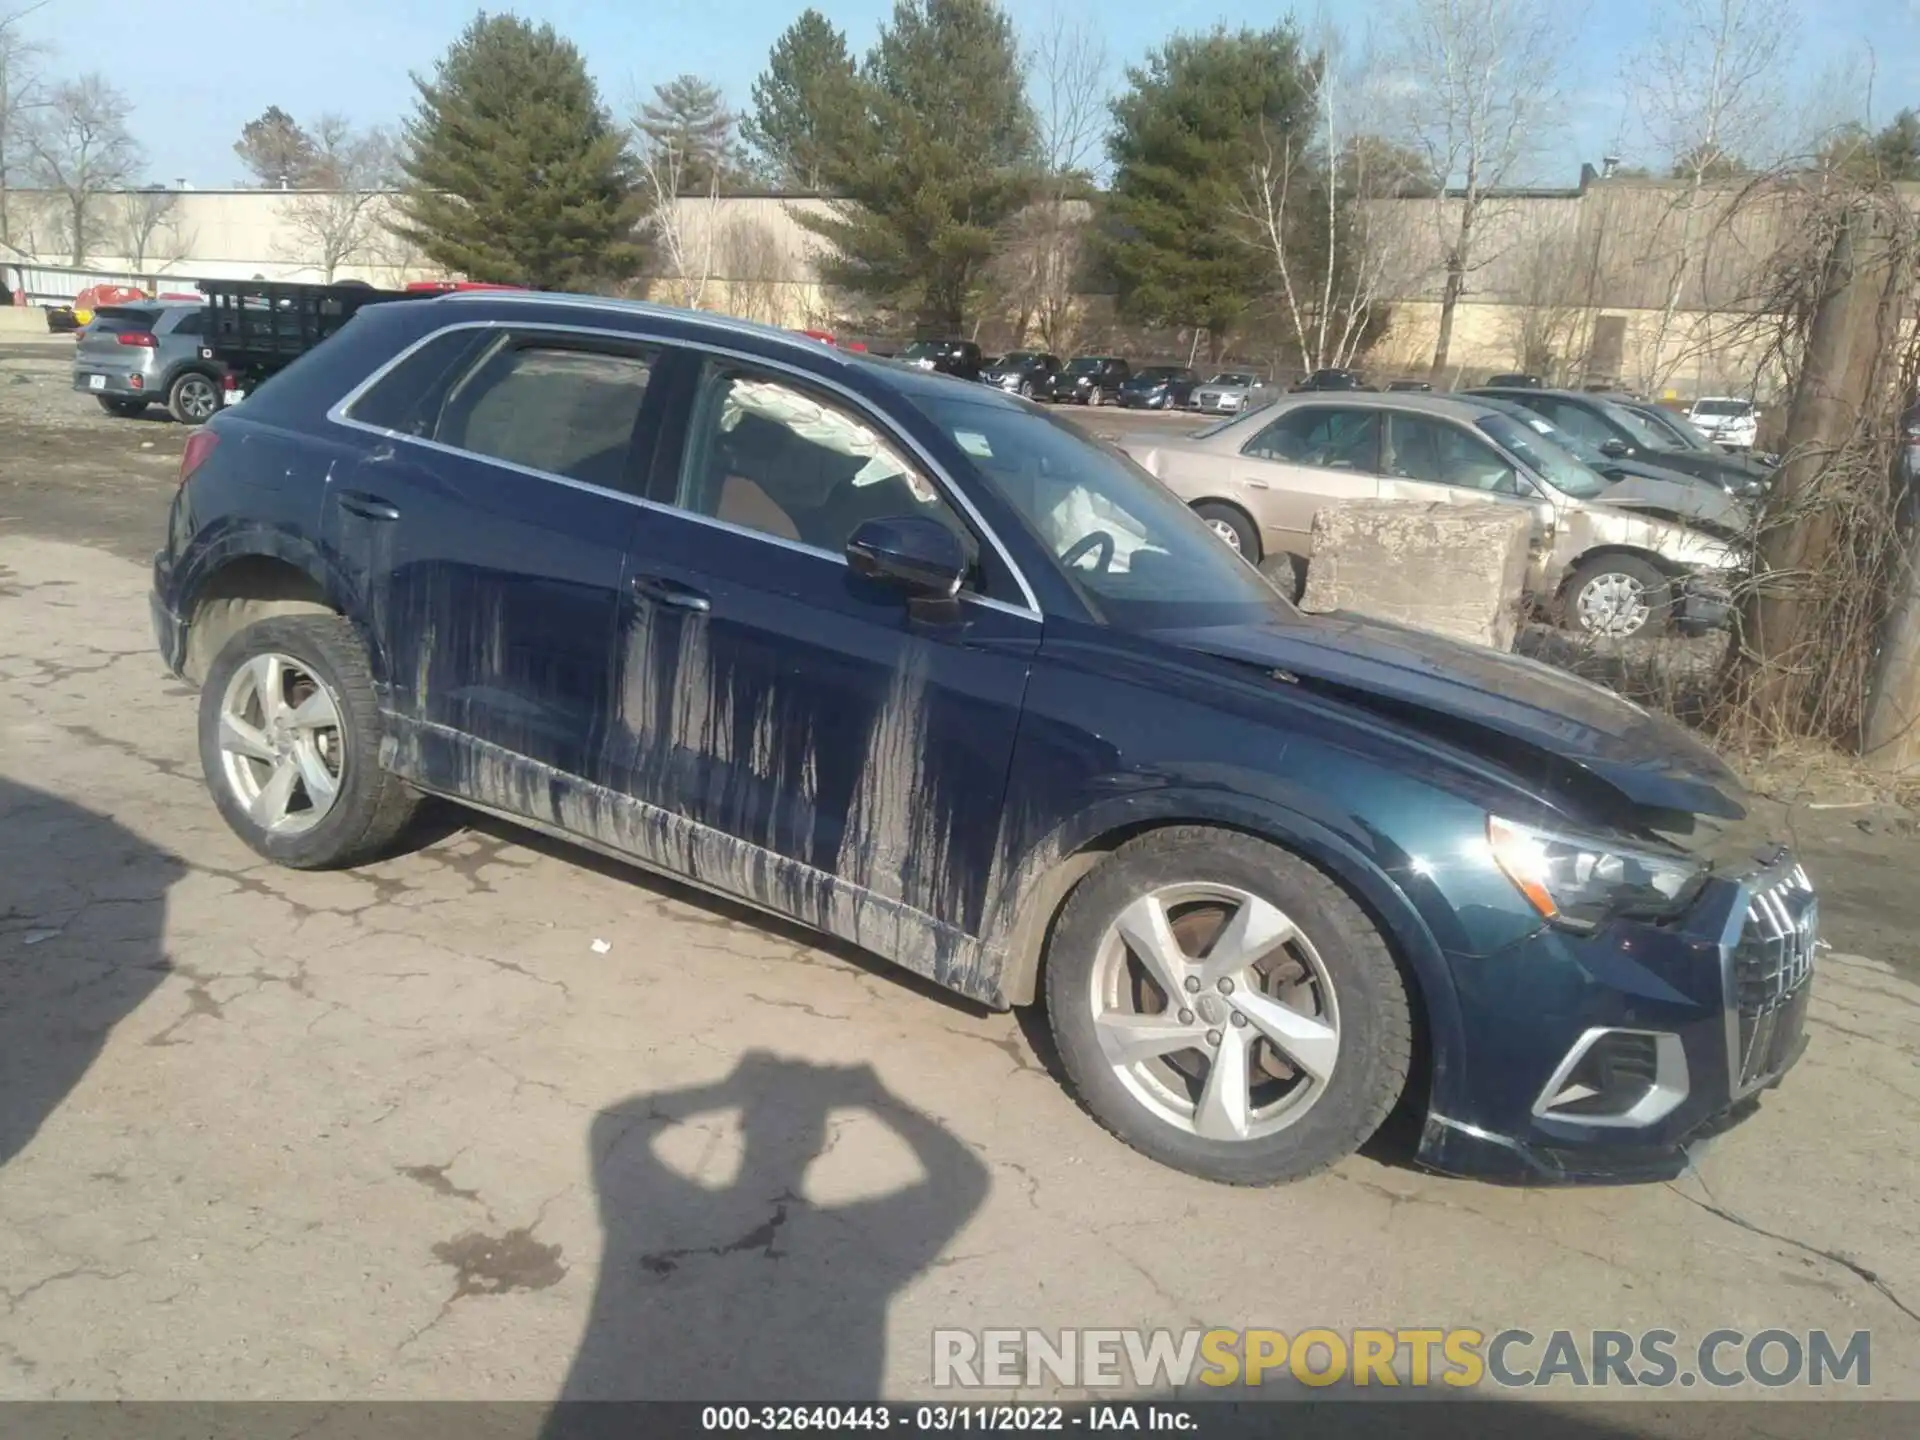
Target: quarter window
[
  {"x": 768, "y": 456},
  {"x": 563, "y": 409}
]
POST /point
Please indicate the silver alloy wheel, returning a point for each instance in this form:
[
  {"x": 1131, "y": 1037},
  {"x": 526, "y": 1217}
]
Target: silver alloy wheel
[
  {"x": 1227, "y": 533},
  {"x": 198, "y": 398},
  {"x": 1214, "y": 1011},
  {"x": 280, "y": 744},
  {"x": 1613, "y": 604}
]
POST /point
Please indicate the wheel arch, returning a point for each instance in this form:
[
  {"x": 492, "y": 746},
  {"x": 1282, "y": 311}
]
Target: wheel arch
[
  {"x": 253, "y": 578},
  {"x": 1603, "y": 551},
  {"x": 1070, "y": 855}
]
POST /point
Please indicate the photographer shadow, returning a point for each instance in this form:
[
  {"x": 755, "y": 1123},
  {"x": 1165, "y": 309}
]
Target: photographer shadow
[{"x": 759, "y": 1287}]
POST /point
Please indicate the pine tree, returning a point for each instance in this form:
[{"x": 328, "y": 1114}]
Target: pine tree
[
  {"x": 277, "y": 150},
  {"x": 688, "y": 132},
  {"x": 942, "y": 159},
  {"x": 1181, "y": 156},
  {"x": 805, "y": 105},
  {"x": 515, "y": 172}
]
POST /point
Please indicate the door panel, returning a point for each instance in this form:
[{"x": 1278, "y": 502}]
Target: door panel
[
  {"x": 489, "y": 524},
  {"x": 802, "y": 709}
]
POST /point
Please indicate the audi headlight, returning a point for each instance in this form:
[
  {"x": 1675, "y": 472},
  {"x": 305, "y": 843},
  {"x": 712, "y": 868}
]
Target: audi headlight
[{"x": 1579, "y": 880}]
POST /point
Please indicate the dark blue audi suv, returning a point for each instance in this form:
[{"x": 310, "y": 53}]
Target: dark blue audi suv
[{"x": 910, "y": 661}]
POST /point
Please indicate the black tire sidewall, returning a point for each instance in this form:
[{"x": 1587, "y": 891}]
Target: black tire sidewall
[
  {"x": 300, "y": 638},
  {"x": 176, "y": 392},
  {"x": 1659, "y": 588},
  {"x": 1250, "y": 549},
  {"x": 1375, "y": 1033}
]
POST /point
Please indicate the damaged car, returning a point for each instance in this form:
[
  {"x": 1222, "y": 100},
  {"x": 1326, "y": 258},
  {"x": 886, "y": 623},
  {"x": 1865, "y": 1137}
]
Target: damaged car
[
  {"x": 914, "y": 663},
  {"x": 1611, "y": 558}
]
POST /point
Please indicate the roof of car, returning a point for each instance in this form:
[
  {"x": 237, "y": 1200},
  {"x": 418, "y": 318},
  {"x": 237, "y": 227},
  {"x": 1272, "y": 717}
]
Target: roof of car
[
  {"x": 908, "y": 379},
  {"x": 1418, "y": 401}
]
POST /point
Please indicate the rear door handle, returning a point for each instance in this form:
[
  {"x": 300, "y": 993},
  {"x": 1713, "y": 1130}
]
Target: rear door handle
[
  {"x": 661, "y": 591},
  {"x": 368, "y": 507}
]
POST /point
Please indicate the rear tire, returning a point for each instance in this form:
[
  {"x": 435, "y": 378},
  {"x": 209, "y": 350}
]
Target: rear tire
[
  {"x": 1234, "y": 526},
  {"x": 251, "y": 734},
  {"x": 193, "y": 399},
  {"x": 1210, "y": 1089}
]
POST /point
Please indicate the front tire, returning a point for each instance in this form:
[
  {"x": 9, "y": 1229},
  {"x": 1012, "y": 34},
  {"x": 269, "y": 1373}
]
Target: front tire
[
  {"x": 290, "y": 743},
  {"x": 1618, "y": 597},
  {"x": 1225, "y": 1008},
  {"x": 193, "y": 399}
]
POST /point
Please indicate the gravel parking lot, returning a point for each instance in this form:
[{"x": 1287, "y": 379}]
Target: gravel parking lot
[{"x": 499, "y": 1119}]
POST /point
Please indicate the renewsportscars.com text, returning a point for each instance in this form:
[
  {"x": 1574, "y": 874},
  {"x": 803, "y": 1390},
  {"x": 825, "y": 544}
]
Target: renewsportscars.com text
[{"x": 1452, "y": 1358}]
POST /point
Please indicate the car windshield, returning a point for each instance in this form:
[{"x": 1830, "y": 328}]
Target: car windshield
[
  {"x": 123, "y": 319},
  {"x": 1085, "y": 364},
  {"x": 1643, "y": 430},
  {"x": 920, "y": 350},
  {"x": 1553, "y": 463},
  {"x": 1159, "y": 375},
  {"x": 1723, "y": 409},
  {"x": 1016, "y": 357},
  {"x": 1137, "y": 554},
  {"x": 1232, "y": 378}
]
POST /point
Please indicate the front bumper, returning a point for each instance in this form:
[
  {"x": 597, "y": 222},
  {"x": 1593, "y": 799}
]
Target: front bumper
[
  {"x": 1720, "y": 995},
  {"x": 169, "y": 630},
  {"x": 1136, "y": 400},
  {"x": 1702, "y": 604}
]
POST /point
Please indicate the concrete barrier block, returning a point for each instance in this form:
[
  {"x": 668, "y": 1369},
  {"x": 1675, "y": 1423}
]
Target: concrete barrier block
[
  {"x": 1456, "y": 570},
  {"x": 23, "y": 320}
]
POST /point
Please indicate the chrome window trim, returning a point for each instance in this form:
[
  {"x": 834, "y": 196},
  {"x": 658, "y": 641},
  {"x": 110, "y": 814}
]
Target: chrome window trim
[{"x": 338, "y": 415}]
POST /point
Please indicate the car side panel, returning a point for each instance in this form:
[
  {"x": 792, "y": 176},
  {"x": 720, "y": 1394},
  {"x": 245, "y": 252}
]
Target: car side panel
[{"x": 1284, "y": 497}]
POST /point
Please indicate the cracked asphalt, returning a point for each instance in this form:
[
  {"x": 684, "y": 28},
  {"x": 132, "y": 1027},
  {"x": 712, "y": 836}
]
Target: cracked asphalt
[{"x": 500, "y": 1119}]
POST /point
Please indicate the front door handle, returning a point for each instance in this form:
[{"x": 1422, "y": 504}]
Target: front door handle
[
  {"x": 368, "y": 507},
  {"x": 661, "y": 591}
]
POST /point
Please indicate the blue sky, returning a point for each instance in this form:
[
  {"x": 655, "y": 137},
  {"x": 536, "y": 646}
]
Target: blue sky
[{"x": 193, "y": 92}]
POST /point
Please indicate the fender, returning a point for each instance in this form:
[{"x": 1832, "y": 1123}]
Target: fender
[
  {"x": 1027, "y": 902},
  {"x": 225, "y": 543}
]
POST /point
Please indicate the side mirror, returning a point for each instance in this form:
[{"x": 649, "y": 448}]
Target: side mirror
[
  {"x": 1615, "y": 447},
  {"x": 916, "y": 553}
]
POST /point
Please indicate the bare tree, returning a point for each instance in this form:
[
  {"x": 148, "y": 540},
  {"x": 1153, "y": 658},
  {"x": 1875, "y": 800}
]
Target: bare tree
[
  {"x": 80, "y": 147},
  {"x": 1547, "y": 326},
  {"x": 19, "y": 96},
  {"x": 1312, "y": 208},
  {"x": 338, "y": 222},
  {"x": 146, "y": 223},
  {"x": 1477, "y": 84},
  {"x": 1038, "y": 265},
  {"x": 755, "y": 269},
  {"x": 1710, "y": 89},
  {"x": 685, "y": 230}
]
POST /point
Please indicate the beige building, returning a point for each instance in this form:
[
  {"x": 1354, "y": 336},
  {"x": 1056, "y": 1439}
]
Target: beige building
[{"x": 1641, "y": 282}]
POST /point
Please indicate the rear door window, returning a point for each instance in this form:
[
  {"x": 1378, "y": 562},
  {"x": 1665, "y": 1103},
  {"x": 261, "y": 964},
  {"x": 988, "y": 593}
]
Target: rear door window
[{"x": 564, "y": 407}]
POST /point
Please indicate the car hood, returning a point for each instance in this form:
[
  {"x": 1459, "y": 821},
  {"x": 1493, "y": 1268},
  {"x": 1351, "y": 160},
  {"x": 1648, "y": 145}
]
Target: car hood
[
  {"x": 1684, "y": 499},
  {"x": 1648, "y": 758}
]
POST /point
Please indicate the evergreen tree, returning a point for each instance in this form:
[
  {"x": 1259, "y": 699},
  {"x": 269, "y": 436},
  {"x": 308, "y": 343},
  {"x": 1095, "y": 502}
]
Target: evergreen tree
[
  {"x": 515, "y": 172},
  {"x": 941, "y": 159},
  {"x": 806, "y": 104},
  {"x": 688, "y": 133},
  {"x": 277, "y": 150},
  {"x": 1183, "y": 147}
]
